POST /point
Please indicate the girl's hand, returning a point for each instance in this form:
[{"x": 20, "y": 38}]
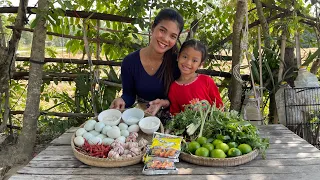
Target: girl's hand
[
  {"x": 118, "y": 103},
  {"x": 156, "y": 105}
]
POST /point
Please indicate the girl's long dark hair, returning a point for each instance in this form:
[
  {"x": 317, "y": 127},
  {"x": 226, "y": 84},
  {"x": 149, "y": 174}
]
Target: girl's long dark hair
[{"x": 170, "y": 56}]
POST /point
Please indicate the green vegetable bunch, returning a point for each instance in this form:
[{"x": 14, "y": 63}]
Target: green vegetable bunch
[{"x": 217, "y": 124}]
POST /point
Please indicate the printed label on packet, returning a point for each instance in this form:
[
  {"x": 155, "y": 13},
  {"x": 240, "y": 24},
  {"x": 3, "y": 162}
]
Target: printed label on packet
[{"x": 166, "y": 141}]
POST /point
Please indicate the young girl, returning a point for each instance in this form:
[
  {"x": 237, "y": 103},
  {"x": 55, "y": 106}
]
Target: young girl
[{"x": 191, "y": 86}]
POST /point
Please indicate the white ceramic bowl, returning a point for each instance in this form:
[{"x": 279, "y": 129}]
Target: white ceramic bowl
[
  {"x": 110, "y": 117},
  {"x": 149, "y": 125},
  {"x": 132, "y": 116}
]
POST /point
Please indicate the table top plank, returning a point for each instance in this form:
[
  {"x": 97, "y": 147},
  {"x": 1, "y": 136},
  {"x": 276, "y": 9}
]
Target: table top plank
[
  {"x": 195, "y": 170},
  {"x": 258, "y": 162},
  {"x": 265, "y": 176}
]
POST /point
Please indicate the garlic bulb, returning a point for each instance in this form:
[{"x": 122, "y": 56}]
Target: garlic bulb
[
  {"x": 132, "y": 145},
  {"x": 131, "y": 139},
  {"x": 133, "y": 134},
  {"x": 142, "y": 142},
  {"x": 113, "y": 154},
  {"x": 135, "y": 151},
  {"x": 126, "y": 151},
  {"x": 116, "y": 143},
  {"x": 118, "y": 149}
]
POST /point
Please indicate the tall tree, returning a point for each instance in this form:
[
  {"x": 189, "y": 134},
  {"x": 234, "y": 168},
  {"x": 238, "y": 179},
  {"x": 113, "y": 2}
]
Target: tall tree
[
  {"x": 23, "y": 150},
  {"x": 236, "y": 86},
  {"x": 26, "y": 140},
  {"x": 7, "y": 58}
]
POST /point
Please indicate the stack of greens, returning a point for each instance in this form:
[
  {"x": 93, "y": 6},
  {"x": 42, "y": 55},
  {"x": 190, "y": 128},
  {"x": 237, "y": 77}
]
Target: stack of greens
[{"x": 213, "y": 123}]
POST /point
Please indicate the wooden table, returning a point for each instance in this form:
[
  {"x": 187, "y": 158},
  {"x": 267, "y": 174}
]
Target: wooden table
[{"x": 289, "y": 157}]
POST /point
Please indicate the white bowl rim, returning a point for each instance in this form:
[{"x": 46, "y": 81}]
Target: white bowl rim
[
  {"x": 102, "y": 114},
  {"x": 132, "y": 109},
  {"x": 150, "y": 117}
]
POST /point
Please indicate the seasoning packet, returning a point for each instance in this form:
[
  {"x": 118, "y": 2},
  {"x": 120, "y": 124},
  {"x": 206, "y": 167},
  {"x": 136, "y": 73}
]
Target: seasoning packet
[
  {"x": 159, "y": 163},
  {"x": 161, "y": 153},
  {"x": 165, "y": 145},
  {"x": 150, "y": 171}
]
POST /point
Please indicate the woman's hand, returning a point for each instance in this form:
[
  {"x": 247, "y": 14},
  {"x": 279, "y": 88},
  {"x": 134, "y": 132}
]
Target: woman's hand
[
  {"x": 118, "y": 103},
  {"x": 156, "y": 105}
]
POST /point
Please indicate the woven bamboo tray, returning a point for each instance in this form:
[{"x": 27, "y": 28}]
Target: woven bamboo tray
[
  {"x": 106, "y": 162},
  {"x": 222, "y": 162}
]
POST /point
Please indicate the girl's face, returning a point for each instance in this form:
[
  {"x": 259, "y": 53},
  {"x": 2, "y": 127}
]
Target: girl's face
[
  {"x": 164, "y": 36},
  {"x": 189, "y": 61}
]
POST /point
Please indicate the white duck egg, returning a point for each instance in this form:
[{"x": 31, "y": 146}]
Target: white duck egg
[
  {"x": 80, "y": 132},
  {"x": 107, "y": 141},
  {"x": 78, "y": 141},
  {"x": 94, "y": 132},
  {"x": 95, "y": 140},
  {"x": 106, "y": 129},
  {"x": 123, "y": 126},
  {"x": 99, "y": 126},
  {"x": 90, "y": 125},
  {"x": 115, "y": 127},
  {"x": 102, "y": 136},
  {"x": 133, "y": 128},
  {"x": 122, "y": 139},
  {"x": 87, "y": 136},
  {"x": 114, "y": 133},
  {"x": 125, "y": 133}
]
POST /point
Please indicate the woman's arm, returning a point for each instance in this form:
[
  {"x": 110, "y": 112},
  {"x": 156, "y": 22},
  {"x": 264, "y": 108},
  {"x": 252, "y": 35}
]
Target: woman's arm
[{"x": 128, "y": 88}]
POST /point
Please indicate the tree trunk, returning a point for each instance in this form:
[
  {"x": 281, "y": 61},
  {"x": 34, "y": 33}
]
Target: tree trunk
[
  {"x": 7, "y": 55},
  {"x": 236, "y": 86},
  {"x": 315, "y": 66},
  {"x": 264, "y": 24},
  {"x": 290, "y": 63},
  {"x": 26, "y": 140}
]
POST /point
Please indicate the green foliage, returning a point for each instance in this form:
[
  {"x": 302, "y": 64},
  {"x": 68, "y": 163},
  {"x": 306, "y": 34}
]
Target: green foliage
[{"x": 218, "y": 124}]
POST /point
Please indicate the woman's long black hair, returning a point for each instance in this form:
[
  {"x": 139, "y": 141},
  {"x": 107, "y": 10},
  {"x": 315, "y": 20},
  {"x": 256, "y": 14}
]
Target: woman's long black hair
[{"x": 170, "y": 56}]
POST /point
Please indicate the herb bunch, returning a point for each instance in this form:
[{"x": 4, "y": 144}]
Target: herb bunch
[{"x": 217, "y": 124}]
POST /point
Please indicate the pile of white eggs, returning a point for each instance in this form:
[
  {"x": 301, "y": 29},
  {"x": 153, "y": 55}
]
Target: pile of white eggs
[{"x": 99, "y": 133}]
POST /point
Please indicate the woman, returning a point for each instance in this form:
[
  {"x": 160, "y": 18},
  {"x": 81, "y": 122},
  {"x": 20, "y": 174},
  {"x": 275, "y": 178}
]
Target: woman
[{"x": 147, "y": 73}]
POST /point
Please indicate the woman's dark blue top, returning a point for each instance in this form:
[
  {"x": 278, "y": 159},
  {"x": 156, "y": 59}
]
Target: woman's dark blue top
[{"x": 137, "y": 82}]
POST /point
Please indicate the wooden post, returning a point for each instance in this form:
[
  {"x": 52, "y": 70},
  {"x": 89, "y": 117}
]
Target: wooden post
[
  {"x": 298, "y": 54},
  {"x": 282, "y": 53}
]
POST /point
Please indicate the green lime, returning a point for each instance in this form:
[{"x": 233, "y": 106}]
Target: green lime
[
  {"x": 204, "y": 152},
  {"x": 209, "y": 146},
  {"x": 245, "y": 148},
  {"x": 216, "y": 141},
  {"x": 217, "y": 153},
  {"x": 201, "y": 140},
  {"x": 232, "y": 144},
  {"x": 233, "y": 152},
  {"x": 223, "y": 146},
  {"x": 193, "y": 146}
]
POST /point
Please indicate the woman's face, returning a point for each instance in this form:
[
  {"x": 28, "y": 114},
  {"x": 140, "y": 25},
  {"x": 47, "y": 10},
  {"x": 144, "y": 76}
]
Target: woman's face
[{"x": 164, "y": 36}]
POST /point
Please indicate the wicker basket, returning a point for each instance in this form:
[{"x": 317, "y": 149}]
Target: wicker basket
[
  {"x": 206, "y": 161},
  {"x": 106, "y": 162}
]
